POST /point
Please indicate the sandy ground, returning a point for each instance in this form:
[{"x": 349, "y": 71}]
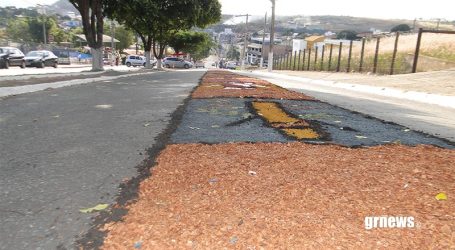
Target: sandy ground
[
  {"x": 435, "y": 82},
  {"x": 279, "y": 196}
]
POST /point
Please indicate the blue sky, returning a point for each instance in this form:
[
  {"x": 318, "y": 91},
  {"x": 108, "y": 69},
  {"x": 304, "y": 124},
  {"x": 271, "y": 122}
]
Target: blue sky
[{"x": 398, "y": 9}]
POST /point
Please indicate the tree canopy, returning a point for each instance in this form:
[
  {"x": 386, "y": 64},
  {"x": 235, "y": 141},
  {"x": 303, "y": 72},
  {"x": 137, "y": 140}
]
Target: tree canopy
[
  {"x": 198, "y": 44},
  {"x": 233, "y": 53},
  {"x": 157, "y": 21},
  {"x": 347, "y": 34},
  {"x": 401, "y": 27}
]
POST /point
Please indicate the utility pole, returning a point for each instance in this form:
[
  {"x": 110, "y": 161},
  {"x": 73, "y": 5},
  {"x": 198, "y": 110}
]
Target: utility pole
[
  {"x": 112, "y": 43},
  {"x": 263, "y": 40},
  {"x": 245, "y": 42},
  {"x": 42, "y": 11},
  {"x": 272, "y": 34}
]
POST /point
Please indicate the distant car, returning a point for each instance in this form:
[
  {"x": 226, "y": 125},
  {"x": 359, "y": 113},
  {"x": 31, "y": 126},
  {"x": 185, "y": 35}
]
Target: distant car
[
  {"x": 199, "y": 64},
  {"x": 41, "y": 59},
  {"x": 175, "y": 62},
  {"x": 231, "y": 65},
  {"x": 10, "y": 56},
  {"x": 135, "y": 60}
]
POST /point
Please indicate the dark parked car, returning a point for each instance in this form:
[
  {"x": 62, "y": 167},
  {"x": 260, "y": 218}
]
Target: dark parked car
[
  {"x": 11, "y": 57},
  {"x": 41, "y": 58}
]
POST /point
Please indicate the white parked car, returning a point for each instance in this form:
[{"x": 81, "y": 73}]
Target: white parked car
[
  {"x": 231, "y": 65},
  {"x": 135, "y": 60},
  {"x": 199, "y": 64}
]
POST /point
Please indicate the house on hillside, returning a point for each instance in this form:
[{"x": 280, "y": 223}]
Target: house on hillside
[{"x": 256, "y": 49}]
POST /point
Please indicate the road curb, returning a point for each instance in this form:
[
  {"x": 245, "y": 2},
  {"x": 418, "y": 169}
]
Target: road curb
[{"x": 11, "y": 91}]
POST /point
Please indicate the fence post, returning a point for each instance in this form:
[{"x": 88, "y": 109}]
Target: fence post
[
  {"x": 339, "y": 56},
  {"x": 362, "y": 51},
  {"x": 322, "y": 58},
  {"x": 330, "y": 57},
  {"x": 281, "y": 62},
  {"x": 289, "y": 61},
  {"x": 303, "y": 61},
  {"x": 295, "y": 57},
  {"x": 309, "y": 59},
  {"x": 416, "y": 54},
  {"x": 286, "y": 58},
  {"x": 394, "y": 56},
  {"x": 315, "y": 58},
  {"x": 376, "y": 52},
  {"x": 349, "y": 57},
  {"x": 298, "y": 61}
]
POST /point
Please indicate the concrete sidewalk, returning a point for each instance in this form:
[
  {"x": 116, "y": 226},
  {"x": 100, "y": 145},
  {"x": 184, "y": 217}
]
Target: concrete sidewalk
[
  {"x": 427, "y": 87},
  {"x": 435, "y": 82}
]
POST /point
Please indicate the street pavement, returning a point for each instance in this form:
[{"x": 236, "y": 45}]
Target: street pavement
[
  {"x": 416, "y": 114},
  {"x": 69, "y": 148}
]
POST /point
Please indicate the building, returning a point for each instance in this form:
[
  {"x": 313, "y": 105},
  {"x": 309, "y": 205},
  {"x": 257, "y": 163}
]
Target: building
[
  {"x": 227, "y": 37},
  {"x": 256, "y": 49},
  {"x": 313, "y": 40}
]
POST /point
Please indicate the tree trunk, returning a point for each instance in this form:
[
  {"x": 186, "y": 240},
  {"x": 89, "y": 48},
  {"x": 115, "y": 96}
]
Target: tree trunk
[
  {"x": 147, "y": 59},
  {"x": 92, "y": 22},
  {"x": 158, "y": 54},
  {"x": 97, "y": 59}
]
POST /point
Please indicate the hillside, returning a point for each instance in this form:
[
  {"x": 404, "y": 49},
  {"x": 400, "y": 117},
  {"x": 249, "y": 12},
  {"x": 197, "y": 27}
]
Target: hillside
[
  {"x": 318, "y": 24},
  {"x": 62, "y": 7}
]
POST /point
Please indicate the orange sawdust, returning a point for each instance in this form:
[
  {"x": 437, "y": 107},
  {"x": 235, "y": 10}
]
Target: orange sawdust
[
  {"x": 295, "y": 195},
  {"x": 272, "y": 113},
  {"x": 276, "y": 117},
  {"x": 301, "y": 133},
  {"x": 219, "y": 83}
]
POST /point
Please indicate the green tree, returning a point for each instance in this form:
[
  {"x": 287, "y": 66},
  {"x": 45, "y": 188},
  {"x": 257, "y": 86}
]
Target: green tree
[
  {"x": 92, "y": 22},
  {"x": 401, "y": 28},
  {"x": 121, "y": 33},
  {"x": 196, "y": 43},
  {"x": 157, "y": 21},
  {"x": 233, "y": 53},
  {"x": 347, "y": 34},
  {"x": 35, "y": 28},
  {"x": 61, "y": 35},
  {"x": 17, "y": 30},
  {"x": 125, "y": 36},
  {"x": 203, "y": 48}
]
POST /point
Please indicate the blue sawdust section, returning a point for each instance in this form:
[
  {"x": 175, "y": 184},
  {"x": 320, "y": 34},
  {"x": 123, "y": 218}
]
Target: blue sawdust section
[{"x": 224, "y": 120}]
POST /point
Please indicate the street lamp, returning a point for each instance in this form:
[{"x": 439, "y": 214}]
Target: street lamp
[
  {"x": 245, "y": 42},
  {"x": 263, "y": 40},
  {"x": 272, "y": 34}
]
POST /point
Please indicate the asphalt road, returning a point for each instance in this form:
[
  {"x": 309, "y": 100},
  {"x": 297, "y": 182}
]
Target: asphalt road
[
  {"x": 432, "y": 119},
  {"x": 69, "y": 148}
]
